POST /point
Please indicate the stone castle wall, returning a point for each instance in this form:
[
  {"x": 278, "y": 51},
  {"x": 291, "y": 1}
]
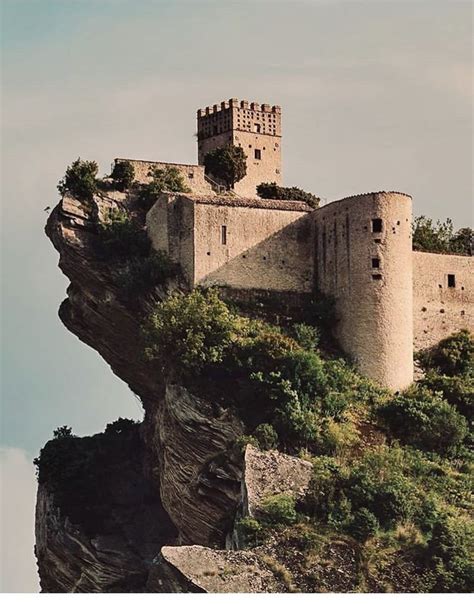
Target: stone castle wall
[
  {"x": 389, "y": 299},
  {"x": 193, "y": 175},
  {"x": 441, "y": 304},
  {"x": 367, "y": 267},
  {"x": 261, "y": 245}
]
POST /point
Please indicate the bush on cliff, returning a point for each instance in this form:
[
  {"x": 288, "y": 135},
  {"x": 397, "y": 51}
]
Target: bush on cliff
[
  {"x": 140, "y": 274},
  {"x": 424, "y": 419},
  {"x": 121, "y": 237},
  {"x": 270, "y": 190},
  {"x": 256, "y": 367},
  {"x": 80, "y": 180}
]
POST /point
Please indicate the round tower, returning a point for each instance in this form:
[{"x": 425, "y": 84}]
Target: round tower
[{"x": 364, "y": 260}]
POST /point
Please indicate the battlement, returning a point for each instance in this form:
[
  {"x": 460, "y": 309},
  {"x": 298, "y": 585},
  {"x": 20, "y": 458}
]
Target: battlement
[
  {"x": 235, "y": 103},
  {"x": 244, "y": 116}
]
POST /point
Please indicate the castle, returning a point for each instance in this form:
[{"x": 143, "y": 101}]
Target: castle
[{"x": 389, "y": 299}]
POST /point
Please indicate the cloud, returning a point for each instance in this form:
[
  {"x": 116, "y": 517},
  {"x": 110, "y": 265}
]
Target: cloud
[{"x": 17, "y": 507}]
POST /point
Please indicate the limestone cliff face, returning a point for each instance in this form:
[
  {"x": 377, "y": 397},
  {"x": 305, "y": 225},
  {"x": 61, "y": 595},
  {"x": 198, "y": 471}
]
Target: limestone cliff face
[{"x": 185, "y": 438}]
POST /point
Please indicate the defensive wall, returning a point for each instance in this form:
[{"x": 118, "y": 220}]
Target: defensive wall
[
  {"x": 236, "y": 242},
  {"x": 193, "y": 175},
  {"x": 443, "y": 296}
]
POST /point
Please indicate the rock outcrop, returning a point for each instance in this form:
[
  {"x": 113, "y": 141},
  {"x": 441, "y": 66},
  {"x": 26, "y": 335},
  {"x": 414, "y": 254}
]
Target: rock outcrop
[
  {"x": 189, "y": 461},
  {"x": 202, "y": 570},
  {"x": 269, "y": 473}
]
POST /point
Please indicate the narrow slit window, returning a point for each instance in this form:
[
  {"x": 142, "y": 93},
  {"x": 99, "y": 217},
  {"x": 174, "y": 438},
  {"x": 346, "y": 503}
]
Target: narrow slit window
[
  {"x": 376, "y": 225},
  {"x": 376, "y": 277},
  {"x": 375, "y": 262},
  {"x": 224, "y": 234},
  {"x": 258, "y": 154},
  {"x": 451, "y": 280}
]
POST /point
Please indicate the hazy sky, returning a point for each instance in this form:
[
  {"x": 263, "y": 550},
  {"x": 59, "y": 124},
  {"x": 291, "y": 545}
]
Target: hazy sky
[{"x": 375, "y": 95}]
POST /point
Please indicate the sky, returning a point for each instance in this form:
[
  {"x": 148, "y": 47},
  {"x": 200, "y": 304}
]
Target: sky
[{"x": 376, "y": 95}]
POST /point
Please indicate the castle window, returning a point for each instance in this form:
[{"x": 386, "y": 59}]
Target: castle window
[
  {"x": 214, "y": 130},
  {"x": 376, "y": 225},
  {"x": 256, "y": 127},
  {"x": 451, "y": 280},
  {"x": 190, "y": 175},
  {"x": 375, "y": 262},
  {"x": 258, "y": 154},
  {"x": 377, "y": 277},
  {"x": 224, "y": 234}
]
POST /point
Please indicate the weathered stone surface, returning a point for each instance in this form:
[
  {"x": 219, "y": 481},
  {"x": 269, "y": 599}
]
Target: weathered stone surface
[
  {"x": 102, "y": 532},
  {"x": 269, "y": 473},
  {"x": 186, "y": 438},
  {"x": 200, "y": 569}
]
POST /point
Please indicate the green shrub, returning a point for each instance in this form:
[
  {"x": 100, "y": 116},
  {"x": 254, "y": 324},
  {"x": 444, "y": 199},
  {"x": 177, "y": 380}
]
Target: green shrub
[
  {"x": 141, "y": 274},
  {"x": 191, "y": 331},
  {"x": 266, "y": 436},
  {"x": 251, "y": 531},
  {"x": 123, "y": 174},
  {"x": 440, "y": 237},
  {"x": 364, "y": 524},
  {"x": 450, "y": 555},
  {"x": 279, "y": 509},
  {"x": 227, "y": 164},
  {"x": 80, "y": 180},
  {"x": 270, "y": 190},
  {"x": 307, "y": 336},
  {"x": 423, "y": 419},
  {"x": 458, "y": 390},
  {"x": 120, "y": 236},
  {"x": 325, "y": 488},
  {"x": 452, "y": 356},
  {"x": 167, "y": 179}
]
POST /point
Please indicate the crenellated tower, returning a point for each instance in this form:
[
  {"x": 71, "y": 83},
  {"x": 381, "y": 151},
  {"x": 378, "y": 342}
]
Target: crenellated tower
[{"x": 254, "y": 127}]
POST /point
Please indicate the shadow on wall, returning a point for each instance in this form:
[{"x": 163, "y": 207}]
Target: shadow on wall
[{"x": 283, "y": 261}]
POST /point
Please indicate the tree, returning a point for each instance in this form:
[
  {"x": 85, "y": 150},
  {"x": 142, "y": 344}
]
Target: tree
[
  {"x": 123, "y": 174},
  {"x": 227, "y": 164},
  {"x": 441, "y": 237},
  {"x": 80, "y": 179},
  {"x": 63, "y": 432}
]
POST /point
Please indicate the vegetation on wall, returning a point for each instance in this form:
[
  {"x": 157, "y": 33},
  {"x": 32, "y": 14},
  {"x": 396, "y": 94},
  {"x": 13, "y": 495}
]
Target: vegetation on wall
[
  {"x": 80, "y": 179},
  {"x": 227, "y": 164},
  {"x": 270, "y": 190},
  {"x": 441, "y": 237},
  {"x": 123, "y": 175},
  {"x": 167, "y": 179}
]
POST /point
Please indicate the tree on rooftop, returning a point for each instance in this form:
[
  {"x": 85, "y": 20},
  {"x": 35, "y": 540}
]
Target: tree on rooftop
[{"x": 227, "y": 164}]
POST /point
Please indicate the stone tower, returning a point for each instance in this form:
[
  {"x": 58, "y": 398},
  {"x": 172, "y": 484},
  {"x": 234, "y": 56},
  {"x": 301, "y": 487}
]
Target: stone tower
[
  {"x": 364, "y": 259},
  {"x": 254, "y": 127}
]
